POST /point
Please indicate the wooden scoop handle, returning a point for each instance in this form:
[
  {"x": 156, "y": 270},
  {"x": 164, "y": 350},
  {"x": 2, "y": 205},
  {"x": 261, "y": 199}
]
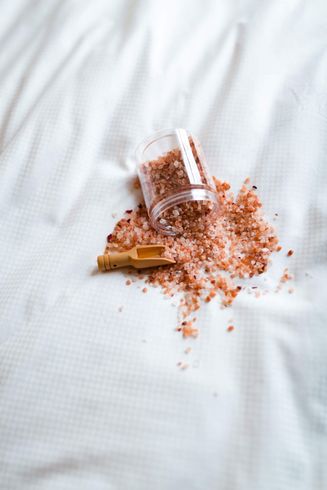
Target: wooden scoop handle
[{"x": 113, "y": 260}]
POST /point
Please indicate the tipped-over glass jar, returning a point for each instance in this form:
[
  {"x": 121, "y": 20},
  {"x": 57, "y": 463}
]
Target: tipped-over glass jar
[{"x": 178, "y": 190}]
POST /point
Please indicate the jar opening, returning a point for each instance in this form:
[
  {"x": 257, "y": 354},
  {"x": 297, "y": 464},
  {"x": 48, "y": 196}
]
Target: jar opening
[{"x": 177, "y": 213}]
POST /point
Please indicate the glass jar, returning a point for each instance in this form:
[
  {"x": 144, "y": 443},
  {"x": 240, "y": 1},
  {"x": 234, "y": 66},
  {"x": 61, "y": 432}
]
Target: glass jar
[{"x": 178, "y": 190}]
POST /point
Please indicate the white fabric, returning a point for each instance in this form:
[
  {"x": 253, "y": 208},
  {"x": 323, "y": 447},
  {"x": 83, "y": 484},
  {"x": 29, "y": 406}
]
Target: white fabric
[{"x": 90, "y": 397}]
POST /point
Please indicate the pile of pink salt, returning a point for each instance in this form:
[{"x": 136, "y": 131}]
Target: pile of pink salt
[{"x": 236, "y": 244}]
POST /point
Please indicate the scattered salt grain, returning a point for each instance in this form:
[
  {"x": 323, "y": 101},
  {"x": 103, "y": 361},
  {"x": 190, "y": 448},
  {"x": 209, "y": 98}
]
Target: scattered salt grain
[
  {"x": 189, "y": 331},
  {"x": 184, "y": 366},
  {"x": 286, "y": 276}
]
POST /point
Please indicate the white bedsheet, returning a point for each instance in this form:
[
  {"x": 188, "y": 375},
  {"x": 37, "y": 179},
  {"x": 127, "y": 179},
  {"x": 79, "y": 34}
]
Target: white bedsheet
[{"x": 90, "y": 397}]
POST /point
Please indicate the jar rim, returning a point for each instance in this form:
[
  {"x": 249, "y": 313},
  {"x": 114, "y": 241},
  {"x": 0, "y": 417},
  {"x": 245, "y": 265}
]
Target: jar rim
[{"x": 175, "y": 199}]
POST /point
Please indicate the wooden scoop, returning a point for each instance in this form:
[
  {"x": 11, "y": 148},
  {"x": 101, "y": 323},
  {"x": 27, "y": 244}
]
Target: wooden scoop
[{"x": 140, "y": 257}]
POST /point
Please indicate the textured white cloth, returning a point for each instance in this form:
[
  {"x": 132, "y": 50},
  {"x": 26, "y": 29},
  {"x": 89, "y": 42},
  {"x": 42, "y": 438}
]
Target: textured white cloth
[{"x": 90, "y": 397}]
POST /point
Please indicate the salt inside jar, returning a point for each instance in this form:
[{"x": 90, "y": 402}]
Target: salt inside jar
[{"x": 178, "y": 190}]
